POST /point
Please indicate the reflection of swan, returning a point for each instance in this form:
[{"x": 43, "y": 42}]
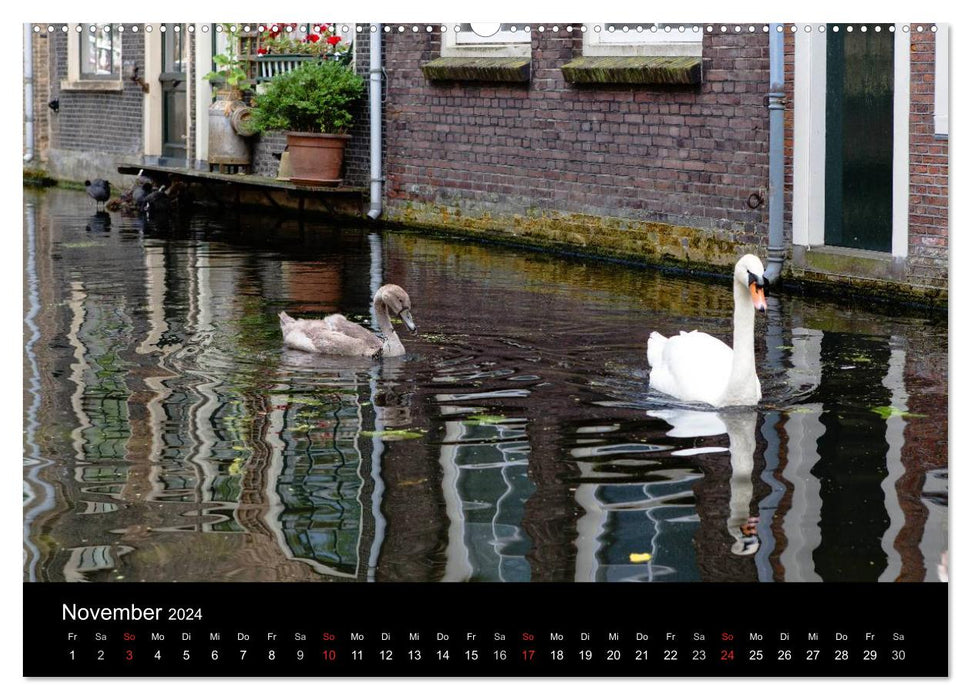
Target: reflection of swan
[
  {"x": 335, "y": 335},
  {"x": 698, "y": 367},
  {"x": 740, "y": 426}
]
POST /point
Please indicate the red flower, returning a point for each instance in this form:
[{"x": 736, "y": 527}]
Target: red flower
[
  {"x": 333, "y": 40},
  {"x": 323, "y": 27},
  {"x": 313, "y": 38},
  {"x": 262, "y": 51}
]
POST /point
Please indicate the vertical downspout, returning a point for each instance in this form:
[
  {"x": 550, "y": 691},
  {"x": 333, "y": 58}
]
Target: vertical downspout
[
  {"x": 777, "y": 97},
  {"x": 28, "y": 95},
  {"x": 377, "y": 178}
]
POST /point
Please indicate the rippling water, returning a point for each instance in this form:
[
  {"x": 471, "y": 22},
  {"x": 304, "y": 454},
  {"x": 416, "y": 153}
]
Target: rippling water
[{"x": 170, "y": 436}]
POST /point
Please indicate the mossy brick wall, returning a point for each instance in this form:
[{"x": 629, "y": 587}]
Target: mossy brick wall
[
  {"x": 928, "y": 245},
  {"x": 102, "y": 121},
  {"x": 661, "y": 161}
]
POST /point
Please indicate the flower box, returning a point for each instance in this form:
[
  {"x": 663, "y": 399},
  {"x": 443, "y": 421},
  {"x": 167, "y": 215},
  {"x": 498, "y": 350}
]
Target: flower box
[{"x": 270, "y": 65}]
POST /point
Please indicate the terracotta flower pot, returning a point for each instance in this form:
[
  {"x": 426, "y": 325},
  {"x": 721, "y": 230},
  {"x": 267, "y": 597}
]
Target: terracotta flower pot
[{"x": 316, "y": 159}]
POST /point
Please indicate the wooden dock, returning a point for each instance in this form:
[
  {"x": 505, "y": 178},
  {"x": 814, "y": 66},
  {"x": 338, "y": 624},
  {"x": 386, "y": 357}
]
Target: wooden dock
[{"x": 234, "y": 190}]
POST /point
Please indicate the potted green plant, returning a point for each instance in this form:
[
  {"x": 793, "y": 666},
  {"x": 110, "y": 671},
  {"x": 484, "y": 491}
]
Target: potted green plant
[
  {"x": 228, "y": 74},
  {"x": 312, "y": 103}
]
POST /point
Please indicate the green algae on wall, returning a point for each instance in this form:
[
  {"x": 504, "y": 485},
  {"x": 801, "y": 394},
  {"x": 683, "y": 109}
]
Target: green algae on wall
[{"x": 648, "y": 242}]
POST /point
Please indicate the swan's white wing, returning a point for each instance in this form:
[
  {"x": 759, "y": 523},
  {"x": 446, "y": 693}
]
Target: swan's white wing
[{"x": 692, "y": 367}]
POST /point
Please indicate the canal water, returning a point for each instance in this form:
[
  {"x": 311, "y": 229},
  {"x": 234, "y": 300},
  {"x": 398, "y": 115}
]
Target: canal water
[{"x": 169, "y": 435}]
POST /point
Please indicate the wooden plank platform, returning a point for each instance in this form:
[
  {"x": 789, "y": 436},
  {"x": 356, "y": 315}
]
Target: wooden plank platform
[{"x": 235, "y": 190}]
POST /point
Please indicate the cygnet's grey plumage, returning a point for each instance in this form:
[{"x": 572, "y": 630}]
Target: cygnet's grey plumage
[{"x": 335, "y": 335}]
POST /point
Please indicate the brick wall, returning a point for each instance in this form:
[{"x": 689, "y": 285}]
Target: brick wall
[
  {"x": 357, "y": 157},
  {"x": 100, "y": 121},
  {"x": 265, "y": 149},
  {"x": 42, "y": 88},
  {"x": 497, "y": 155},
  {"x": 788, "y": 118},
  {"x": 190, "y": 101},
  {"x": 928, "y": 249}
]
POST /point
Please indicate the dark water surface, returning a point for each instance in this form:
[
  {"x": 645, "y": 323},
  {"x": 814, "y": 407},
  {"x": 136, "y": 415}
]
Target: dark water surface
[{"x": 168, "y": 435}]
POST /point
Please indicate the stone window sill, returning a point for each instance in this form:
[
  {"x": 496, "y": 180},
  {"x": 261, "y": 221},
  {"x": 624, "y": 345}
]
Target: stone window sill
[
  {"x": 492, "y": 70},
  {"x": 93, "y": 85},
  {"x": 634, "y": 70}
]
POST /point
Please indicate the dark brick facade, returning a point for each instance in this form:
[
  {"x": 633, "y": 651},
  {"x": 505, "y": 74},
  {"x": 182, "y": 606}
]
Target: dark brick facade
[
  {"x": 928, "y": 249},
  {"x": 357, "y": 156},
  {"x": 99, "y": 121},
  {"x": 689, "y": 156},
  {"x": 265, "y": 149},
  {"x": 648, "y": 172},
  {"x": 42, "y": 88}
]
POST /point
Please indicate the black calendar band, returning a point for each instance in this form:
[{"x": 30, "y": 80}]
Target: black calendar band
[{"x": 514, "y": 630}]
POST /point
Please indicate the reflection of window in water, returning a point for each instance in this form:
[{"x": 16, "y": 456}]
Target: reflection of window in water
[
  {"x": 100, "y": 52},
  {"x": 485, "y": 471},
  {"x": 319, "y": 486}
]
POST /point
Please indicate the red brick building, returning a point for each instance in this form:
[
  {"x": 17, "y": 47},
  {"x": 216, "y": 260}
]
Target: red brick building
[
  {"x": 615, "y": 141},
  {"x": 650, "y": 167}
]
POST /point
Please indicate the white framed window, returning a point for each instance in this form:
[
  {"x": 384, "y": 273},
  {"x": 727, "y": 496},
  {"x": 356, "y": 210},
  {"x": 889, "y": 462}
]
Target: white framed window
[
  {"x": 497, "y": 40},
  {"x": 93, "y": 58},
  {"x": 632, "y": 39}
]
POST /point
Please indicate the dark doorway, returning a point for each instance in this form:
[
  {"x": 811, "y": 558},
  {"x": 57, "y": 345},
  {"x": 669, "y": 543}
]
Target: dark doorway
[
  {"x": 173, "y": 79},
  {"x": 859, "y": 137}
]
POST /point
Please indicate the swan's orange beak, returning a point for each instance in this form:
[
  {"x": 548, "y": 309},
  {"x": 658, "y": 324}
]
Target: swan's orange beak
[{"x": 758, "y": 296}]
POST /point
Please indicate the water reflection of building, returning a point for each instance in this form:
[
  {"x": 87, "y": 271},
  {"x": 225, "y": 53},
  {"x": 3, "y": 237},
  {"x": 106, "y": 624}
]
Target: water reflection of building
[
  {"x": 831, "y": 481},
  {"x": 859, "y": 449},
  {"x": 188, "y": 447},
  {"x": 484, "y": 462},
  {"x": 162, "y": 465}
]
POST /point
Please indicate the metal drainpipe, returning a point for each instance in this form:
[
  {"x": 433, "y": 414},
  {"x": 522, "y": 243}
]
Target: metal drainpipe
[
  {"x": 777, "y": 96},
  {"x": 28, "y": 94},
  {"x": 377, "y": 178}
]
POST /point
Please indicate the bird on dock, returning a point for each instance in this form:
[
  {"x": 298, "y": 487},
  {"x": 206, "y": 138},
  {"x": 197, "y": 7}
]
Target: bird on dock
[
  {"x": 697, "y": 367},
  {"x": 99, "y": 190},
  {"x": 143, "y": 179},
  {"x": 335, "y": 335},
  {"x": 140, "y": 191},
  {"x": 155, "y": 204}
]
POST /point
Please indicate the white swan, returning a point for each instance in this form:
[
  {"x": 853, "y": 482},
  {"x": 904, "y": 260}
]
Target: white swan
[
  {"x": 335, "y": 335},
  {"x": 697, "y": 367}
]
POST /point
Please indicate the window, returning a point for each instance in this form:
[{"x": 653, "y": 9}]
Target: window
[
  {"x": 100, "y": 53},
  {"x": 94, "y": 58},
  {"x": 620, "y": 39},
  {"x": 484, "y": 40}
]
